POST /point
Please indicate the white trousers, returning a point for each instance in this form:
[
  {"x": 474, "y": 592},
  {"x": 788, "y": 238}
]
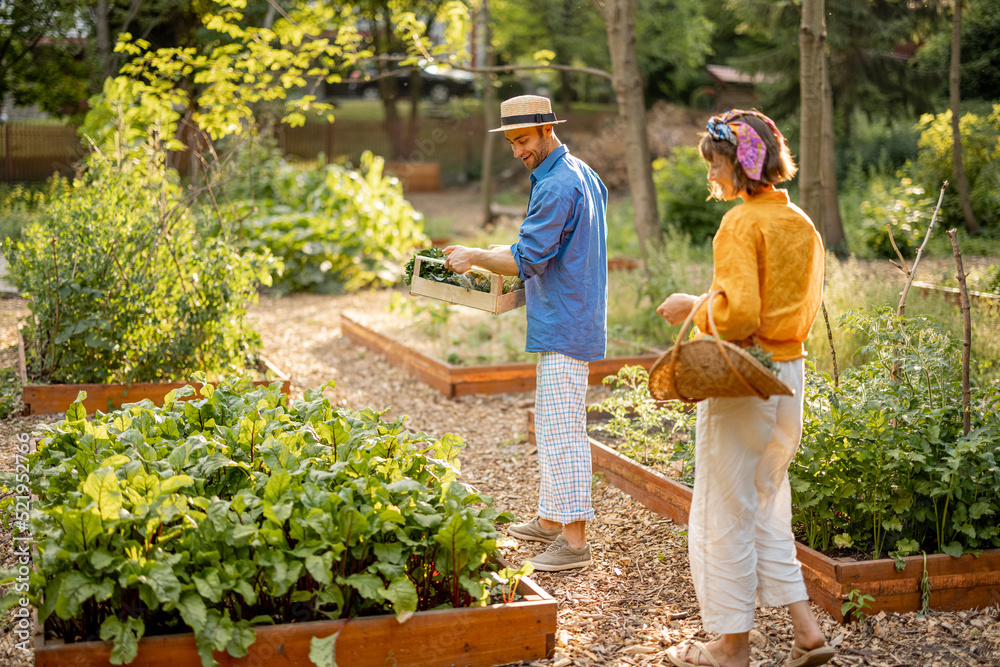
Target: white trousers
[{"x": 740, "y": 536}]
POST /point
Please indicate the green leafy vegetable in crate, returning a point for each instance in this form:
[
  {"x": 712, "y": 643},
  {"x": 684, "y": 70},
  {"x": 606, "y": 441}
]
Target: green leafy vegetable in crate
[{"x": 472, "y": 280}]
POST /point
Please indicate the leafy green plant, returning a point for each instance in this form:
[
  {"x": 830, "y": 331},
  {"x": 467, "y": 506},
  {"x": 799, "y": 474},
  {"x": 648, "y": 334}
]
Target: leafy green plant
[
  {"x": 980, "y": 159},
  {"x": 682, "y": 191},
  {"x": 238, "y": 507},
  {"x": 472, "y": 280},
  {"x": 650, "y": 431},
  {"x": 20, "y": 205},
  {"x": 855, "y": 605},
  {"x": 883, "y": 457},
  {"x": 123, "y": 288},
  {"x": 333, "y": 228},
  {"x": 10, "y": 393},
  {"x": 903, "y": 208}
]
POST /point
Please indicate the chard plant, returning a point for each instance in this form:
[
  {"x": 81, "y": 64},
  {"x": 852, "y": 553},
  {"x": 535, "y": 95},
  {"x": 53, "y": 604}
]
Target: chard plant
[{"x": 239, "y": 507}]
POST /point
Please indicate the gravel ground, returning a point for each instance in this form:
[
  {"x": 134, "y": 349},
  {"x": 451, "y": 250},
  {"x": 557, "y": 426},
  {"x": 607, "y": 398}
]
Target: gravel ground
[{"x": 637, "y": 598}]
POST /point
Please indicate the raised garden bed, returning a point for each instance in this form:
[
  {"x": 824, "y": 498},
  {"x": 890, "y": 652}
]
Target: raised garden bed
[
  {"x": 43, "y": 399},
  {"x": 953, "y": 294},
  {"x": 967, "y": 582},
  {"x": 46, "y": 399},
  {"x": 497, "y": 634},
  {"x": 452, "y": 380}
]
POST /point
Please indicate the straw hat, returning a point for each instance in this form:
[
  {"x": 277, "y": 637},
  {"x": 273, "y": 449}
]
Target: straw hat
[{"x": 526, "y": 111}]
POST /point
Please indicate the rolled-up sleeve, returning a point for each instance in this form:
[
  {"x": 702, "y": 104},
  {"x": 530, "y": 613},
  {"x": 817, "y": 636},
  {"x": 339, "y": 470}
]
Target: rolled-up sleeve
[{"x": 542, "y": 232}]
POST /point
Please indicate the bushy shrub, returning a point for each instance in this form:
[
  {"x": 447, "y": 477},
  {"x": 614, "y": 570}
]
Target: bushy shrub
[
  {"x": 21, "y": 205},
  {"x": 884, "y": 465},
  {"x": 681, "y": 191},
  {"x": 333, "y": 228},
  {"x": 980, "y": 158},
  {"x": 123, "y": 288},
  {"x": 903, "y": 208}
]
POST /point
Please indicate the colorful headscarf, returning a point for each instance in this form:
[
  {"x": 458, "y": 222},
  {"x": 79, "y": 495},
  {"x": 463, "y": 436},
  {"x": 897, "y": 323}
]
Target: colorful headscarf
[{"x": 750, "y": 148}]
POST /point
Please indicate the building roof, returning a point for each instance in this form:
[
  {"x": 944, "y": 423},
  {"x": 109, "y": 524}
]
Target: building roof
[{"x": 727, "y": 74}]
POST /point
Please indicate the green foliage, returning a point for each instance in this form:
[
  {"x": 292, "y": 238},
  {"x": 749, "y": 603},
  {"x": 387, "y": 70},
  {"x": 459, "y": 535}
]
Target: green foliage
[
  {"x": 904, "y": 209},
  {"x": 649, "y": 431},
  {"x": 855, "y": 605},
  {"x": 123, "y": 288},
  {"x": 238, "y": 507},
  {"x": 333, "y": 228},
  {"x": 681, "y": 192},
  {"x": 10, "y": 393},
  {"x": 884, "y": 465},
  {"x": 673, "y": 40},
  {"x": 980, "y": 159},
  {"x": 473, "y": 280},
  {"x": 21, "y": 205}
]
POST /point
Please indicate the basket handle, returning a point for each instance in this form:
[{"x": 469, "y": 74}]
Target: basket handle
[{"x": 710, "y": 297}]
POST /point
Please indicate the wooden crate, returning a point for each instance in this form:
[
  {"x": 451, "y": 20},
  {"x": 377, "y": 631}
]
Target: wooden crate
[
  {"x": 494, "y": 301},
  {"x": 473, "y": 636}
]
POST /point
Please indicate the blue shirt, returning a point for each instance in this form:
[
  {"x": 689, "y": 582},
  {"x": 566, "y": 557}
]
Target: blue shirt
[{"x": 562, "y": 257}]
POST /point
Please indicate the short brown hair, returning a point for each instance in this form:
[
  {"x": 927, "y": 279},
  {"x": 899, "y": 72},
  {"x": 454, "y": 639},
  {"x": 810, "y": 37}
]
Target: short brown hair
[{"x": 779, "y": 166}]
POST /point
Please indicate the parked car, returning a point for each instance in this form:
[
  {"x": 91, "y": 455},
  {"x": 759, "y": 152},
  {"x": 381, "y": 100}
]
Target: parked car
[{"x": 438, "y": 84}]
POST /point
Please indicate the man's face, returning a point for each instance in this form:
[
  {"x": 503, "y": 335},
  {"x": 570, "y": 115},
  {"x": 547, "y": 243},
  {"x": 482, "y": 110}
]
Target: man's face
[{"x": 531, "y": 145}]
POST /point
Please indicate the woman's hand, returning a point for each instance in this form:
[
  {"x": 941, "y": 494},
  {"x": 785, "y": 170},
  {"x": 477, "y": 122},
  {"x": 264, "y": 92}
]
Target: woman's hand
[{"x": 676, "y": 307}]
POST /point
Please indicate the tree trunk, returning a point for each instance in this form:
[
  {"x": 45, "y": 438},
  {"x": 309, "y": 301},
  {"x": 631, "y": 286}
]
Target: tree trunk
[
  {"x": 102, "y": 9},
  {"x": 619, "y": 20},
  {"x": 489, "y": 112},
  {"x": 833, "y": 227},
  {"x": 413, "y": 124},
  {"x": 971, "y": 224},
  {"x": 812, "y": 38}
]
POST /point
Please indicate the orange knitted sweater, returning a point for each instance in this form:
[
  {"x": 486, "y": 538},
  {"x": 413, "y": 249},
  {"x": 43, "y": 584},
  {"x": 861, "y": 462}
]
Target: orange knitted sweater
[{"x": 768, "y": 257}]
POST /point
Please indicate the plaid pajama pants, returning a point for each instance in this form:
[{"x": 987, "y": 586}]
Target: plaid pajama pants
[{"x": 561, "y": 435}]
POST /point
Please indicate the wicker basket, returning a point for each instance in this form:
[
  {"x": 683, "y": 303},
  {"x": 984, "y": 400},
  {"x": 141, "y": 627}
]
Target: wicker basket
[{"x": 710, "y": 367}]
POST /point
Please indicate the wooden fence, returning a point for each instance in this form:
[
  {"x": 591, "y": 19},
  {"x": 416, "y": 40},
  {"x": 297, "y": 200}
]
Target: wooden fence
[{"x": 32, "y": 152}]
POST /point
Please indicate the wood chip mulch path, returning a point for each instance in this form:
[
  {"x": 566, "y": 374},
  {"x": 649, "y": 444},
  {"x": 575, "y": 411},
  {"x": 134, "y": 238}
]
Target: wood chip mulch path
[{"x": 636, "y": 600}]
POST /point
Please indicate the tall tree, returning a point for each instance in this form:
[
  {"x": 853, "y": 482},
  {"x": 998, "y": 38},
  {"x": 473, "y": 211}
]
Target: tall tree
[
  {"x": 38, "y": 42},
  {"x": 832, "y": 225},
  {"x": 489, "y": 110},
  {"x": 673, "y": 40},
  {"x": 955, "y": 99},
  {"x": 619, "y": 20},
  {"x": 812, "y": 46}
]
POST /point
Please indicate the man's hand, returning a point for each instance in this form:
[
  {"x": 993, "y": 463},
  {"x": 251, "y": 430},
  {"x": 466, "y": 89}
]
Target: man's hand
[
  {"x": 675, "y": 308},
  {"x": 460, "y": 258}
]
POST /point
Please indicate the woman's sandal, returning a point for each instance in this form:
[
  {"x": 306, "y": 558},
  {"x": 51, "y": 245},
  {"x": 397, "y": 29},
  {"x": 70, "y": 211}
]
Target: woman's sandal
[
  {"x": 678, "y": 655},
  {"x": 818, "y": 656}
]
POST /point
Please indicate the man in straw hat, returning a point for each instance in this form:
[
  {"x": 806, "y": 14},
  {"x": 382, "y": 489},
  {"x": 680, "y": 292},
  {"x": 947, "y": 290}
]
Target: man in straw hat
[{"x": 561, "y": 255}]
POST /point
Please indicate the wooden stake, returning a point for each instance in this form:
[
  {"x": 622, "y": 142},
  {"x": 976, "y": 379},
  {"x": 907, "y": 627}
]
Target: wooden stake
[
  {"x": 967, "y": 329},
  {"x": 833, "y": 350},
  {"x": 920, "y": 252}
]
